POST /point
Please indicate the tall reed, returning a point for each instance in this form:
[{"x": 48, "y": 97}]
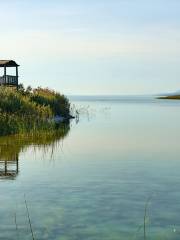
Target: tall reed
[{"x": 29, "y": 110}]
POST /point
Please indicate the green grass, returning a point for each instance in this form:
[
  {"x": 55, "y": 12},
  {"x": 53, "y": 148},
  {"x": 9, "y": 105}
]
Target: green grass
[{"x": 30, "y": 110}]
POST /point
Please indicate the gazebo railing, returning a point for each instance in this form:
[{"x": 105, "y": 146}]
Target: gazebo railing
[{"x": 9, "y": 80}]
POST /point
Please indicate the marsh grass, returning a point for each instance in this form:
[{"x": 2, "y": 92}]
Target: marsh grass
[
  {"x": 143, "y": 227},
  {"x": 29, "y": 219},
  {"x": 30, "y": 110},
  {"x": 146, "y": 216},
  {"x": 16, "y": 225}
]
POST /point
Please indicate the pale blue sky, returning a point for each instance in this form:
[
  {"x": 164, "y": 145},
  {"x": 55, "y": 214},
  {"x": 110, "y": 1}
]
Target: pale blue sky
[{"x": 94, "y": 47}]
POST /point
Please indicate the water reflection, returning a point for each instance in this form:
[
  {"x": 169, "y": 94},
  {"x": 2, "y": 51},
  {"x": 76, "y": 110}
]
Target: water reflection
[
  {"x": 12, "y": 146},
  {"x": 9, "y": 169}
]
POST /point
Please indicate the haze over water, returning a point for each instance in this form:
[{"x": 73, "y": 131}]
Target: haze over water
[{"x": 94, "y": 181}]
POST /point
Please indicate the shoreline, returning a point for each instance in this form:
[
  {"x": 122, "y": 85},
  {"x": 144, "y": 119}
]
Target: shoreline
[{"x": 173, "y": 97}]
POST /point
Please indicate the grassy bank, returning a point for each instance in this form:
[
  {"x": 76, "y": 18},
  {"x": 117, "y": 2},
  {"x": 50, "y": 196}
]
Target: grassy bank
[{"x": 30, "y": 110}]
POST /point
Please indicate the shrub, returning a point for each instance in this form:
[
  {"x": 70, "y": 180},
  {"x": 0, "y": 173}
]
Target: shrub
[
  {"x": 30, "y": 110},
  {"x": 58, "y": 103}
]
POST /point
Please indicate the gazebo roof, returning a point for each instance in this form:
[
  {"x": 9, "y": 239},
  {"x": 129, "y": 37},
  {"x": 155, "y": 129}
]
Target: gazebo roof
[{"x": 8, "y": 63}]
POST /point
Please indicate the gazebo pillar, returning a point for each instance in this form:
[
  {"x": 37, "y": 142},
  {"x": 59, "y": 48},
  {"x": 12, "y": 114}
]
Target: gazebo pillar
[
  {"x": 17, "y": 77},
  {"x": 5, "y": 75}
]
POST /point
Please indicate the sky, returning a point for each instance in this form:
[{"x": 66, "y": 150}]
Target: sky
[{"x": 91, "y": 47}]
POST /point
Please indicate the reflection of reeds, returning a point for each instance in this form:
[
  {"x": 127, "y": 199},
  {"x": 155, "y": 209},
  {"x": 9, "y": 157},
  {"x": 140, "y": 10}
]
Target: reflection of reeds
[
  {"x": 29, "y": 219},
  {"x": 11, "y": 146}
]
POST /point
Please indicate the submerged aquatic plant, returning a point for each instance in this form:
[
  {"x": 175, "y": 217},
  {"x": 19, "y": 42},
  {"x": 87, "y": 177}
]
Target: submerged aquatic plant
[
  {"x": 29, "y": 219},
  {"x": 143, "y": 227}
]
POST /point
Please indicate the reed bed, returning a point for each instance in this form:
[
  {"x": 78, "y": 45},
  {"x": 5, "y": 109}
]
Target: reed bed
[{"x": 30, "y": 110}]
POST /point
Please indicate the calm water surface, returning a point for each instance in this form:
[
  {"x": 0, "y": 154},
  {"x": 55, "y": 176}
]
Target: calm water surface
[{"x": 92, "y": 181}]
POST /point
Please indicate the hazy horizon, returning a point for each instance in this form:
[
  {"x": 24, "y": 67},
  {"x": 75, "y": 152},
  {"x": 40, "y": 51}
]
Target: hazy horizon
[{"x": 118, "y": 47}]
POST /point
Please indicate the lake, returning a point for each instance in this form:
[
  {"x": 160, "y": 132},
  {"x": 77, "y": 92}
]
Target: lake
[{"x": 112, "y": 174}]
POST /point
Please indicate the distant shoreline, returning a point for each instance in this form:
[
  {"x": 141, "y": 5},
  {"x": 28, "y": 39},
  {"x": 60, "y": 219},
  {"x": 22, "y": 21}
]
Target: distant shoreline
[{"x": 173, "y": 97}]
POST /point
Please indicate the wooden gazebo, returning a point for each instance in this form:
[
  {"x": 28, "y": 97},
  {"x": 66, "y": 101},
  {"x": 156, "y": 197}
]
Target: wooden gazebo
[{"x": 9, "y": 80}]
